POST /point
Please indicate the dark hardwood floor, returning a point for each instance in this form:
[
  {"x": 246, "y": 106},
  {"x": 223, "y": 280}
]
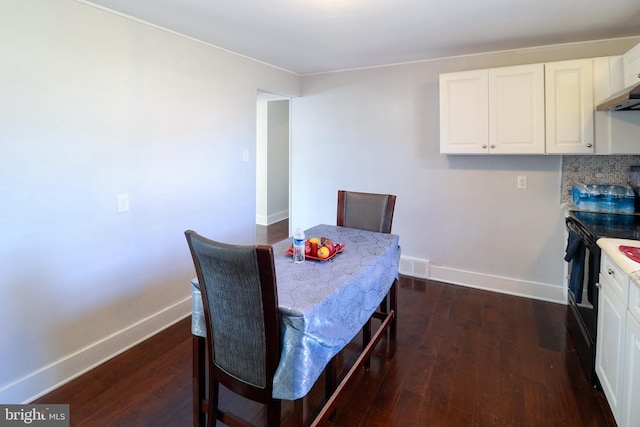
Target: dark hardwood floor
[
  {"x": 273, "y": 233},
  {"x": 462, "y": 357}
]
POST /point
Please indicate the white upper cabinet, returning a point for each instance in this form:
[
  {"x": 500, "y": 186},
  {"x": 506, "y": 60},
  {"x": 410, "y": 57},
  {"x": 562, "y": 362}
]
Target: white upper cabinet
[
  {"x": 516, "y": 109},
  {"x": 499, "y": 111},
  {"x": 616, "y": 132},
  {"x": 464, "y": 112},
  {"x": 540, "y": 108},
  {"x": 631, "y": 64},
  {"x": 569, "y": 107}
]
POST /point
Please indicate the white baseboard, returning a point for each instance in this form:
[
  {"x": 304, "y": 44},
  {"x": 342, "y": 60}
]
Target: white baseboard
[
  {"x": 423, "y": 269},
  {"x": 505, "y": 285},
  {"x": 52, "y": 376},
  {"x": 272, "y": 219}
]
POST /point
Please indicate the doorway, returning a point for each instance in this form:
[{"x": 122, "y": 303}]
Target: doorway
[{"x": 272, "y": 159}]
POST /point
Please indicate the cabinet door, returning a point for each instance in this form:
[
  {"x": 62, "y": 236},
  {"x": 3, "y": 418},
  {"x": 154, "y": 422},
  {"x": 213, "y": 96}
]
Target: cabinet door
[
  {"x": 631, "y": 395},
  {"x": 464, "y": 112},
  {"x": 610, "y": 346},
  {"x": 516, "y": 110},
  {"x": 634, "y": 298},
  {"x": 631, "y": 64},
  {"x": 617, "y": 279},
  {"x": 569, "y": 107}
]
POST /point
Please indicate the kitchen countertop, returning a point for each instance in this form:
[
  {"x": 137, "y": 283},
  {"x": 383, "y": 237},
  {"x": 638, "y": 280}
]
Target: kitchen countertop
[{"x": 612, "y": 248}]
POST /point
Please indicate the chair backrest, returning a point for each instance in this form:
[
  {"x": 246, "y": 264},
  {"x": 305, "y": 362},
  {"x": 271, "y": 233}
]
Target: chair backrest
[
  {"x": 366, "y": 211},
  {"x": 239, "y": 294}
]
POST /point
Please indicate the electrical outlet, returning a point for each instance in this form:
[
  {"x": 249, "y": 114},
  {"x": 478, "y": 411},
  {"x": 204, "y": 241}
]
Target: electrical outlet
[
  {"x": 123, "y": 203},
  {"x": 522, "y": 181}
]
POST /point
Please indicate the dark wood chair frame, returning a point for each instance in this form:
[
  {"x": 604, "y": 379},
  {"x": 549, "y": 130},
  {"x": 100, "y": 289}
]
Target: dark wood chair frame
[{"x": 206, "y": 411}]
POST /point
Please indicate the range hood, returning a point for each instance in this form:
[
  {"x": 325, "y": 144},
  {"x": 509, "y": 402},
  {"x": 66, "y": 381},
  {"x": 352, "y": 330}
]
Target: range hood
[{"x": 626, "y": 99}]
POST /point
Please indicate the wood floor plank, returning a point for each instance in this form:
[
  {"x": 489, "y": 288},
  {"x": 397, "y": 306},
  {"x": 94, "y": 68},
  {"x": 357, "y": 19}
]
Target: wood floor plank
[{"x": 462, "y": 357}]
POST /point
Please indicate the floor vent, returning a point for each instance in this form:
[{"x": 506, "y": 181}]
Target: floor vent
[{"x": 414, "y": 267}]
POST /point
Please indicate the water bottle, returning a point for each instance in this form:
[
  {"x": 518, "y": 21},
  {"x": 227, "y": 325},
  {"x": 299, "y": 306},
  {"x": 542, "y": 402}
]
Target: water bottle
[{"x": 298, "y": 246}]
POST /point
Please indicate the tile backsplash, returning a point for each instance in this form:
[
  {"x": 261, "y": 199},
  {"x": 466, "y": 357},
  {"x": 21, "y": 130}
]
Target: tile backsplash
[{"x": 595, "y": 169}]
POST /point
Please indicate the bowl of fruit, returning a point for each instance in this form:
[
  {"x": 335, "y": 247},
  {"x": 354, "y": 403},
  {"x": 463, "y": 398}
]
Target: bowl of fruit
[{"x": 320, "y": 248}]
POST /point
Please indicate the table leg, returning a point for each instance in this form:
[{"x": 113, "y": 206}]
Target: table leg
[
  {"x": 366, "y": 338},
  {"x": 393, "y": 306},
  {"x": 300, "y": 412},
  {"x": 330, "y": 378},
  {"x": 199, "y": 380}
]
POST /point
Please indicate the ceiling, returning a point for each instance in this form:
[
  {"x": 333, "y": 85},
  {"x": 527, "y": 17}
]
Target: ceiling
[{"x": 314, "y": 36}]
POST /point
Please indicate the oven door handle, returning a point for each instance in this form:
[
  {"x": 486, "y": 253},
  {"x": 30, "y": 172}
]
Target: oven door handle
[{"x": 571, "y": 226}]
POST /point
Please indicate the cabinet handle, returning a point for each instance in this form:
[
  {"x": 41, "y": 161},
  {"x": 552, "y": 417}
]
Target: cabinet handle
[
  {"x": 589, "y": 145},
  {"x": 493, "y": 145},
  {"x": 610, "y": 272},
  {"x": 484, "y": 145}
]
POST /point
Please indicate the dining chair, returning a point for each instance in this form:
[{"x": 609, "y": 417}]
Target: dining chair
[
  {"x": 372, "y": 212},
  {"x": 366, "y": 211},
  {"x": 239, "y": 294}
]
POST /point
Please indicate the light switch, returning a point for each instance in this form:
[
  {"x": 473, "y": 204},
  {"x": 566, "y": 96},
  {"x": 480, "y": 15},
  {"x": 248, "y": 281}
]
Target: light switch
[
  {"x": 123, "y": 203},
  {"x": 522, "y": 181}
]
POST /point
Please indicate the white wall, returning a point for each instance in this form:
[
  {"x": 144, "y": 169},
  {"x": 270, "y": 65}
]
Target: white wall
[
  {"x": 278, "y": 160},
  {"x": 93, "y": 105},
  {"x": 460, "y": 218},
  {"x": 272, "y": 158},
  {"x": 262, "y": 141}
]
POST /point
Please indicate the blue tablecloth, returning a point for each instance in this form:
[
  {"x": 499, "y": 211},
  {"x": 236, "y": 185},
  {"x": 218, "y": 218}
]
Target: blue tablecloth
[{"x": 324, "y": 304}]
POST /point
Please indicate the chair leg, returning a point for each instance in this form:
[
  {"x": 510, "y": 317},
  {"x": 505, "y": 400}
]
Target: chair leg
[
  {"x": 199, "y": 381},
  {"x": 212, "y": 413},
  {"x": 273, "y": 413}
]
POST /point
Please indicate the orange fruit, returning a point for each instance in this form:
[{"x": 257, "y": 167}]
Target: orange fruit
[{"x": 323, "y": 252}]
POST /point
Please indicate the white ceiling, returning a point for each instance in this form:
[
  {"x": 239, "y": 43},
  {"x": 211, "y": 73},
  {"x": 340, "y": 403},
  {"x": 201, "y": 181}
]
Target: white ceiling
[{"x": 311, "y": 36}]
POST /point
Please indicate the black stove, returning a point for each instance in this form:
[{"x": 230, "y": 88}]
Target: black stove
[
  {"x": 583, "y": 255},
  {"x": 600, "y": 224}
]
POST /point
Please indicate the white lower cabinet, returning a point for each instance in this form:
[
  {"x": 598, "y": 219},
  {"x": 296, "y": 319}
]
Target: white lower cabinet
[
  {"x": 610, "y": 347},
  {"x": 618, "y": 342},
  {"x": 631, "y": 393}
]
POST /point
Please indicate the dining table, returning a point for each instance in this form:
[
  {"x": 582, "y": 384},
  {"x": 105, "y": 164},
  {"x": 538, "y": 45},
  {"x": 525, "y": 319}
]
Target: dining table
[{"x": 323, "y": 305}]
